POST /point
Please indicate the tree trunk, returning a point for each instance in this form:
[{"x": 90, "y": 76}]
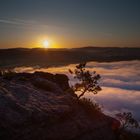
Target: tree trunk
[{"x": 81, "y": 94}]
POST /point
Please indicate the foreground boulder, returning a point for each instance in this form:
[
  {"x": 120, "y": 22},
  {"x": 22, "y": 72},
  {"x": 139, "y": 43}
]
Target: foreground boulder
[{"x": 41, "y": 106}]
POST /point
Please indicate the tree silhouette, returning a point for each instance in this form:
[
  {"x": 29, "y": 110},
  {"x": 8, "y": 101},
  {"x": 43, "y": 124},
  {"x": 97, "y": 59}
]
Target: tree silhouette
[
  {"x": 88, "y": 82},
  {"x": 126, "y": 119},
  {"x": 126, "y": 122}
]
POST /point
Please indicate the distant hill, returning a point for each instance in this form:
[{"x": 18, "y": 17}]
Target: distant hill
[{"x": 57, "y": 57}]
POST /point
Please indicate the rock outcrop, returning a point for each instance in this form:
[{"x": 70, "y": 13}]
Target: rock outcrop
[{"x": 41, "y": 106}]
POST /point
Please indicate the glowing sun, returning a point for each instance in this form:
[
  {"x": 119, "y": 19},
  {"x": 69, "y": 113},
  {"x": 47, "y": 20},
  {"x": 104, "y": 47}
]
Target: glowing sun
[{"x": 46, "y": 44}]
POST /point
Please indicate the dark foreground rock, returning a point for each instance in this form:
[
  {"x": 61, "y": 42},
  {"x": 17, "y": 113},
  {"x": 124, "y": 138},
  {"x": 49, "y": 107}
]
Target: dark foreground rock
[{"x": 41, "y": 106}]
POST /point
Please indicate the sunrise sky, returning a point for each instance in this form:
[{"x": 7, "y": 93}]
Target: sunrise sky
[{"x": 69, "y": 23}]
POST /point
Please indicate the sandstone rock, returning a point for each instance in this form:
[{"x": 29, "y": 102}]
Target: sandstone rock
[
  {"x": 62, "y": 81},
  {"x": 38, "y": 109}
]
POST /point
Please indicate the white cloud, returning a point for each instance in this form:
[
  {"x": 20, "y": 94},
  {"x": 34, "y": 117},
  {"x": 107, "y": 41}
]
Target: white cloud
[{"x": 120, "y": 82}]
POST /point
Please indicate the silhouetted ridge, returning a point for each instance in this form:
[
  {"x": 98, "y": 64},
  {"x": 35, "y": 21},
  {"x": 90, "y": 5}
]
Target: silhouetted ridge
[{"x": 59, "y": 57}]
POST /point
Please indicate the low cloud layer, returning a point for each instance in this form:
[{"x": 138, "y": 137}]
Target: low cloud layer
[{"x": 120, "y": 83}]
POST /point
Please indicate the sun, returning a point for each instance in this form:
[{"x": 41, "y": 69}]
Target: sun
[{"x": 46, "y": 44}]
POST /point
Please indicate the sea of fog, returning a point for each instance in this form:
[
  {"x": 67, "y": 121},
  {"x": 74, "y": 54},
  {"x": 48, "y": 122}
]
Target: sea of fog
[{"x": 120, "y": 82}]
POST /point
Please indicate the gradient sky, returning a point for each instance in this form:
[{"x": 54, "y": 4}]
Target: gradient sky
[{"x": 69, "y": 23}]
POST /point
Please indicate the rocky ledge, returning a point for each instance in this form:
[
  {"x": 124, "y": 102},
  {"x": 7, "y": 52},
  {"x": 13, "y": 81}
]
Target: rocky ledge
[{"x": 41, "y": 106}]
